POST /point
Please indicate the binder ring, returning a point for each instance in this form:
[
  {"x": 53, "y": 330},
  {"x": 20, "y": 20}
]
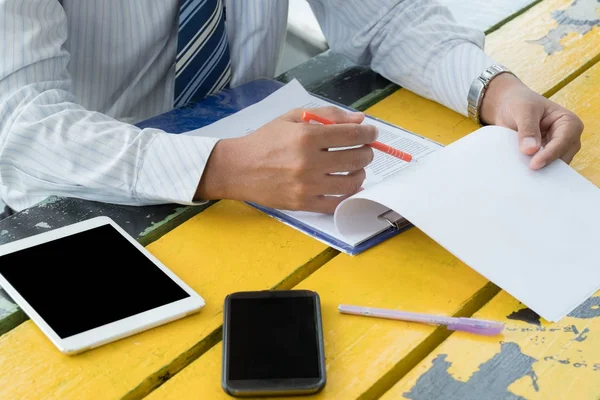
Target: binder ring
[{"x": 383, "y": 217}]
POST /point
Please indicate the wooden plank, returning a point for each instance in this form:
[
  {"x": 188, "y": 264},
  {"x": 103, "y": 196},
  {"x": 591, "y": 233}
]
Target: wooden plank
[
  {"x": 551, "y": 44},
  {"x": 533, "y": 359},
  {"x": 364, "y": 356},
  {"x": 582, "y": 97},
  {"x": 55, "y": 212},
  {"x": 10, "y": 314},
  {"x": 248, "y": 251}
]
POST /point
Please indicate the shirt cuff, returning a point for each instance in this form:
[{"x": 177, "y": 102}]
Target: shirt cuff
[
  {"x": 172, "y": 167},
  {"x": 455, "y": 74}
]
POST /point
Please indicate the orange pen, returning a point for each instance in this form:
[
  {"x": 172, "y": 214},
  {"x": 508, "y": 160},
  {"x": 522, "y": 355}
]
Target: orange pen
[{"x": 307, "y": 117}]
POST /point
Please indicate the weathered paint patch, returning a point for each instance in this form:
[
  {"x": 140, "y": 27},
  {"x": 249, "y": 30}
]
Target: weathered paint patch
[
  {"x": 6, "y": 306},
  {"x": 155, "y": 225},
  {"x": 43, "y": 225},
  {"x": 588, "y": 309},
  {"x": 491, "y": 381},
  {"x": 525, "y": 315},
  {"x": 48, "y": 201},
  {"x": 579, "y": 18}
]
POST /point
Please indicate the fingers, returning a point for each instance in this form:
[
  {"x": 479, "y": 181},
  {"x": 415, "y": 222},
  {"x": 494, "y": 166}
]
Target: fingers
[
  {"x": 528, "y": 120},
  {"x": 345, "y": 160},
  {"x": 326, "y": 204},
  {"x": 343, "y": 135},
  {"x": 550, "y": 153},
  {"x": 334, "y": 114},
  {"x": 564, "y": 142},
  {"x": 568, "y": 157},
  {"x": 348, "y": 184},
  {"x": 556, "y": 148},
  {"x": 345, "y": 131},
  {"x": 324, "y": 196}
]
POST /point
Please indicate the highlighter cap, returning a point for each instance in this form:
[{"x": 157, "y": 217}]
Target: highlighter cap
[{"x": 478, "y": 326}]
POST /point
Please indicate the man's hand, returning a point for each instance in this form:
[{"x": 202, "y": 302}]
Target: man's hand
[
  {"x": 286, "y": 163},
  {"x": 539, "y": 121}
]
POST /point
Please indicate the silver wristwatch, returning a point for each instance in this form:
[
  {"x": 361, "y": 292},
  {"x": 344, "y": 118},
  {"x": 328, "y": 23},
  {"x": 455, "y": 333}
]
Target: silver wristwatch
[{"x": 478, "y": 89}]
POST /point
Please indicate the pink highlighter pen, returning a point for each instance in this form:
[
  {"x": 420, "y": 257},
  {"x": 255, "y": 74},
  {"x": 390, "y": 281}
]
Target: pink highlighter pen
[{"x": 471, "y": 325}]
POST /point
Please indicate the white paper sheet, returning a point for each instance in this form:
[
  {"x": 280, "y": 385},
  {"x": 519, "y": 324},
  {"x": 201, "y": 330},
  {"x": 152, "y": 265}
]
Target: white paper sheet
[
  {"x": 293, "y": 95},
  {"x": 536, "y": 234}
]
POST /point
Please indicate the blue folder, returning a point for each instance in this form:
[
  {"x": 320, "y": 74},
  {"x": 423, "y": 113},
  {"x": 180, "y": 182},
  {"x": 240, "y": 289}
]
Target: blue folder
[{"x": 227, "y": 102}]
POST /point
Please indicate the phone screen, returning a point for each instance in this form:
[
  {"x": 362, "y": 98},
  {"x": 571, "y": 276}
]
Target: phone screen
[{"x": 273, "y": 338}]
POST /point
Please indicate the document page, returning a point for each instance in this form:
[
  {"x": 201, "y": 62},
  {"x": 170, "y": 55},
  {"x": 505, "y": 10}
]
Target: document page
[
  {"x": 536, "y": 234},
  {"x": 293, "y": 95}
]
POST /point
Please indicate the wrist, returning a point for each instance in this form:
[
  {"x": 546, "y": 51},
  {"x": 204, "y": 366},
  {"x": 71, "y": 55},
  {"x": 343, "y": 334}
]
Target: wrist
[
  {"x": 216, "y": 181},
  {"x": 494, "y": 97},
  {"x": 479, "y": 88}
]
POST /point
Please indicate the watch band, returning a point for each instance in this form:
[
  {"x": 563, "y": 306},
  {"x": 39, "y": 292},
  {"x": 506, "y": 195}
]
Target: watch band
[{"x": 478, "y": 89}]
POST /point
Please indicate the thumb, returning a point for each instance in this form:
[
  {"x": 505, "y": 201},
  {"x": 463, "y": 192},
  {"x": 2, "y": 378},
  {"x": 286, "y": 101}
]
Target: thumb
[{"x": 528, "y": 125}]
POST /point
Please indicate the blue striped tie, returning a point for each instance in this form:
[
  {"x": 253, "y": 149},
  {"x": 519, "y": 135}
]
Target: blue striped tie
[{"x": 203, "y": 65}]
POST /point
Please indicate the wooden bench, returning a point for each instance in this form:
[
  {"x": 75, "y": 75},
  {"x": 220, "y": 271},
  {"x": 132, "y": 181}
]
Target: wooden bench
[{"x": 230, "y": 246}]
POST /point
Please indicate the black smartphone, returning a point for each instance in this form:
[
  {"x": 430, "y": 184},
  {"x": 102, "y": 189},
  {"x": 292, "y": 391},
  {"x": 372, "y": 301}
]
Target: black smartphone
[{"x": 273, "y": 343}]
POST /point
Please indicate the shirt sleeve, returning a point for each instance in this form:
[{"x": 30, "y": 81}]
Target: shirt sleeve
[
  {"x": 50, "y": 145},
  {"x": 416, "y": 44}
]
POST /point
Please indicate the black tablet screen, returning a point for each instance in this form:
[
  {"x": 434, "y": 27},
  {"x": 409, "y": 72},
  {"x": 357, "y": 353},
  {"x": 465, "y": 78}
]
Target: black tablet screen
[{"x": 87, "y": 280}]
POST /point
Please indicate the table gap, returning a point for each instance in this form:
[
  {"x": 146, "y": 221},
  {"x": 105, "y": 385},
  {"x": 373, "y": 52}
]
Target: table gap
[
  {"x": 427, "y": 346},
  {"x": 155, "y": 380}
]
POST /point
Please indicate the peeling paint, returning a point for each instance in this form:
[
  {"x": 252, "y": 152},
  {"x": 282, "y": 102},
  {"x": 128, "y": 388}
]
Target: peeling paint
[
  {"x": 50, "y": 200},
  {"x": 491, "y": 381},
  {"x": 525, "y": 315},
  {"x": 155, "y": 225},
  {"x": 588, "y": 309},
  {"x": 579, "y": 18}
]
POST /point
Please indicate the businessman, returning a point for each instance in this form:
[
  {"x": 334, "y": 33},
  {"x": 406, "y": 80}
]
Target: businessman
[{"x": 76, "y": 74}]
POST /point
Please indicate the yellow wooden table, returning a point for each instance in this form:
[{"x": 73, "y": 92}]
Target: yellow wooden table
[{"x": 553, "y": 46}]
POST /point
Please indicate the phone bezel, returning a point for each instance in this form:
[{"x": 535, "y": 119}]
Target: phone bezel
[
  {"x": 272, "y": 387},
  {"x": 112, "y": 331}
]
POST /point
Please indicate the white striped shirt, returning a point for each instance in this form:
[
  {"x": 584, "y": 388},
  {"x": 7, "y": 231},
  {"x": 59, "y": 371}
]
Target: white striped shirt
[{"x": 75, "y": 74}]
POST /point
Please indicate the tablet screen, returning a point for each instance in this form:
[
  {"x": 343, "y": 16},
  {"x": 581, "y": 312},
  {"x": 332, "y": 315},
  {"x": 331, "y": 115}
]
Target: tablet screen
[{"x": 89, "y": 279}]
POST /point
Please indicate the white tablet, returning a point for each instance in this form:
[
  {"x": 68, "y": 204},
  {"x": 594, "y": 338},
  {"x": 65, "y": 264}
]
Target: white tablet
[{"x": 91, "y": 283}]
